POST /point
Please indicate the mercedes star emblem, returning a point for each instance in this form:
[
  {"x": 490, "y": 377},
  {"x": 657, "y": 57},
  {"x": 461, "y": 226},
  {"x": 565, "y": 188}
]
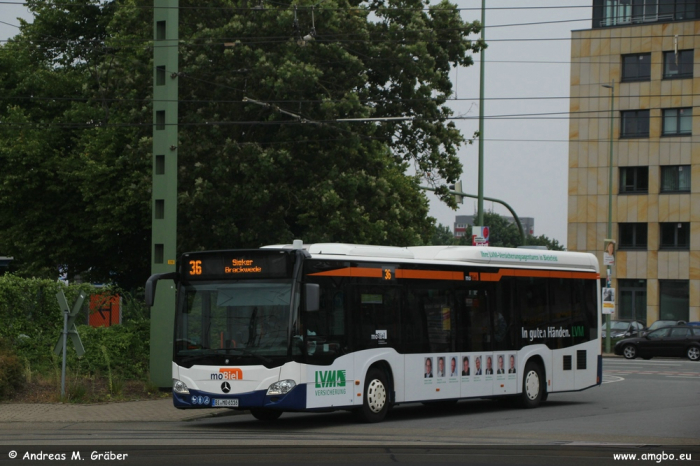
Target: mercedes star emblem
[{"x": 225, "y": 387}]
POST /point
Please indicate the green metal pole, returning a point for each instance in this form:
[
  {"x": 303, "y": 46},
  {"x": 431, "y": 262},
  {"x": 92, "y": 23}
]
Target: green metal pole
[
  {"x": 164, "y": 193},
  {"x": 490, "y": 199},
  {"x": 480, "y": 201},
  {"x": 610, "y": 189}
]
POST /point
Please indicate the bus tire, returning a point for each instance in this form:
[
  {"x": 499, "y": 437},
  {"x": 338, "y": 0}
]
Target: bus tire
[
  {"x": 533, "y": 386},
  {"x": 375, "y": 402},
  {"x": 265, "y": 414}
]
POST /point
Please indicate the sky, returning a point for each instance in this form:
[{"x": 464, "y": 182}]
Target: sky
[{"x": 526, "y": 72}]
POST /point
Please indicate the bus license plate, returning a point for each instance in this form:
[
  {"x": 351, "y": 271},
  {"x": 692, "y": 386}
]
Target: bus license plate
[{"x": 227, "y": 403}]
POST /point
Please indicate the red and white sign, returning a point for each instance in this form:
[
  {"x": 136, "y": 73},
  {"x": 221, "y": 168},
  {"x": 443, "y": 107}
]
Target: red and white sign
[{"x": 480, "y": 236}]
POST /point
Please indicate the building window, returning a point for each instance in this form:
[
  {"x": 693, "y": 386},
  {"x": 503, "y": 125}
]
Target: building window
[
  {"x": 634, "y": 180},
  {"x": 675, "y": 179},
  {"x": 635, "y": 124},
  {"x": 608, "y": 13},
  {"x": 633, "y": 235},
  {"x": 632, "y": 299},
  {"x": 678, "y": 65},
  {"x": 636, "y": 67},
  {"x": 673, "y": 300},
  {"x": 675, "y": 235},
  {"x": 677, "y": 121}
]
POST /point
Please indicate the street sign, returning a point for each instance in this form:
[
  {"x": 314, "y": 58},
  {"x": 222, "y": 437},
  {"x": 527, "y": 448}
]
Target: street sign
[
  {"x": 72, "y": 331},
  {"x": 609, "y": 252},
  {"x": 608, "y": 300},
  {"x": 480, "y": 236}
]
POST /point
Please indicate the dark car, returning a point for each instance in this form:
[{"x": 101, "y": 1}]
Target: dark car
[
  {"x": 664, "y": 323},
  {"x": 623, "y": 328},
  {"x": 679, "y": 341}
]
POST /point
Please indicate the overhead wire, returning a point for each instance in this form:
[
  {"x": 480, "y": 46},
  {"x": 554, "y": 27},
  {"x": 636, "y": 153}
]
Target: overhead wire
[
  {"x": 546, "y": 115},
  {"x": 314, "y": 101}
]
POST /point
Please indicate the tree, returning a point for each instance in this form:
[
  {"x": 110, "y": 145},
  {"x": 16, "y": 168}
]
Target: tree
[
  {"x": 543, "y": 240},
  {"x": 76, "y": 128},
  {"x": 74, "y": 189},
  {"x": 442, "y": 235},
  {"x": 502, "y": 233}
]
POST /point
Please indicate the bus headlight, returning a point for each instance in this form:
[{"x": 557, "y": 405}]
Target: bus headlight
[
  {"x": 282, "y": 387},
  {"x": 180, "y": 388}
]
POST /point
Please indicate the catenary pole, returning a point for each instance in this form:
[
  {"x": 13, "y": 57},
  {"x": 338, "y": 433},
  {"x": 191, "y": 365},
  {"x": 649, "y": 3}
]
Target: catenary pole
[
  {"x": 164, "y": 184},
  {"x": 480, "y": 193}
]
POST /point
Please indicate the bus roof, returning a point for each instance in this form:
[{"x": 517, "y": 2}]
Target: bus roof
[{"x": 508, "y": 257}]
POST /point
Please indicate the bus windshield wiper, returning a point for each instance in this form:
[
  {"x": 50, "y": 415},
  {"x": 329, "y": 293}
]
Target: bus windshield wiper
[
  {"x": 248, "y": 352},
  {"x": 216, "y": 351}
]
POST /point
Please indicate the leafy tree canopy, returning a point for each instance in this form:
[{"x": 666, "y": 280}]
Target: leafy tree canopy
[{"x": 76, "y": 125}]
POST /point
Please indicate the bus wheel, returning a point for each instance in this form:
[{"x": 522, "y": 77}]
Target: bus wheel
[
  {"x": 532, "y": 386},
  {"x": 375, "y": 403},
  {"x": 265, "y": 414}
]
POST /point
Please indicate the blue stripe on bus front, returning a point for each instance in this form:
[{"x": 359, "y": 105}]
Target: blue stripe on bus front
[{"x": 294, "y": 400}]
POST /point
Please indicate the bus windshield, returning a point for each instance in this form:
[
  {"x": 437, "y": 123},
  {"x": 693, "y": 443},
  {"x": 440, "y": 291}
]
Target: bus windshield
[{"x": 246, "y": 322}]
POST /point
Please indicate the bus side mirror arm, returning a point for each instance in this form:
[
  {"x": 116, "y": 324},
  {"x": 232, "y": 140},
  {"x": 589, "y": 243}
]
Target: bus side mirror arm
[{"x": 151, "y": 285}]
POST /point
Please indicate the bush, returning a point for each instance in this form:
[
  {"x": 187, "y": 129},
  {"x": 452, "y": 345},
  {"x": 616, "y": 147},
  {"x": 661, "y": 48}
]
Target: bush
[
  {"x": 11, "y": 371},
  {"x": 31, "y": 321}
]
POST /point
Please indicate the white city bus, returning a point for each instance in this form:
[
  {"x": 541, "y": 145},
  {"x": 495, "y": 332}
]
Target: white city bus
[{"x": 325, "y": 327}]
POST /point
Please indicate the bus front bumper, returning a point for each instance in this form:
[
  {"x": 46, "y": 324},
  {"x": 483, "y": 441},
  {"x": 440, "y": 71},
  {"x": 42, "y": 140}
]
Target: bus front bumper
[{"x": 294, "y": 400}]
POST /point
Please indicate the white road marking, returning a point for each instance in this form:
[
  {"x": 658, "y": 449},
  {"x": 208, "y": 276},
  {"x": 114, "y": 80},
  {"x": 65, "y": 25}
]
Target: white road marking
[{"x": 612, "y": 379}]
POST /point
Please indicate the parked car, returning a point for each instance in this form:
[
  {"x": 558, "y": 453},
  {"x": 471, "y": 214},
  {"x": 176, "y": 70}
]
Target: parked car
[
  {"x": 661, "y": 324},
  {"x": 694, "y": 324},
  {"x": 623, "y": 328},
  {"x": 679, "y": 341}
]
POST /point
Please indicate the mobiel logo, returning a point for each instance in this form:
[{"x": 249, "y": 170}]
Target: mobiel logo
[
  {"x": 227, "y": 374},
  {"x": 333, "y": 380}
]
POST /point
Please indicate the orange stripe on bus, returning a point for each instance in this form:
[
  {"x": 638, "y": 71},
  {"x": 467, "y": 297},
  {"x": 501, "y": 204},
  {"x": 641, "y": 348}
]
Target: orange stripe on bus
[
  {"x": 495, "y": 277},
  {"x": 367, "y": 272},
  {"x": 351, "y": 272},
  {"x": 429, "y": 274}
]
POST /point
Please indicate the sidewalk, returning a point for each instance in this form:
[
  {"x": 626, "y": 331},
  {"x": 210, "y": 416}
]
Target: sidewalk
[{"x": 138, "y": 411}]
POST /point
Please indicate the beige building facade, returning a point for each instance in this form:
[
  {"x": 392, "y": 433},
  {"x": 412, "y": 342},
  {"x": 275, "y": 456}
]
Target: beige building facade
[{"x": 646, "y": 53}]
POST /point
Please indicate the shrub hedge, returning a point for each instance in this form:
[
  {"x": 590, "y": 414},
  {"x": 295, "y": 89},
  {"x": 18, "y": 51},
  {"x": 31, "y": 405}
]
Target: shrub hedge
[{"x": 31, "y": 323}]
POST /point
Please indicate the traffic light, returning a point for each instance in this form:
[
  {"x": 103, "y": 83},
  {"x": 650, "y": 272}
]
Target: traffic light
[{"x": 458, "y": 188}]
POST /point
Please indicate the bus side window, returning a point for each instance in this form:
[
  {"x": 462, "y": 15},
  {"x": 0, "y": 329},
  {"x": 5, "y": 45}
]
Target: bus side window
[
  {"x": 414, "y": 327},
  {"x": 379, "y": 321},
  {"x": 533, "y": 306},
  {"x": 479, "y": 303},
  {"x": 504, "y": 320},
  {"x": 433, "y": 308}
]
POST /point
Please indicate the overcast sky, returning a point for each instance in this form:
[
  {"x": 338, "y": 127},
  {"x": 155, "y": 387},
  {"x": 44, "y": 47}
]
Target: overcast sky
[
  {"x": 527, "y": 72},
  {"x": 525, "y": 158}
]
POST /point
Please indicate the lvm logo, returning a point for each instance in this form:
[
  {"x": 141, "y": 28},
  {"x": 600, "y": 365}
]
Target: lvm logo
[
  {"x": 577, "y": 331},
  {"x": 233, "y": 373},
  {"x": 330, "y": 379}
]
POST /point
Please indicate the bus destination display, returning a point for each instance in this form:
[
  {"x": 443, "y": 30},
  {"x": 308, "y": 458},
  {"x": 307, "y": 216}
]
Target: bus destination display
[{"x": 236, "y": 266}]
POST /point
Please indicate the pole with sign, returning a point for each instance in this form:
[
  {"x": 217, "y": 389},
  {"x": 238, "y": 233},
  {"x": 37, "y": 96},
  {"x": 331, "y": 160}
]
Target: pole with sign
[
  {"x": 68, "y": 329},
  {"x": 608, "y": 305},
  {"x": 608, "y": 302}
]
